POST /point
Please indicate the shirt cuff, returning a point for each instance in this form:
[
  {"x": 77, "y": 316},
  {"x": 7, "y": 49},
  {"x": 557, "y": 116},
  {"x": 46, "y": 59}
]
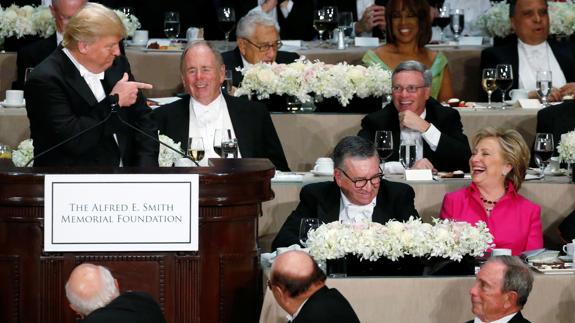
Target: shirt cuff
[
  {"x": 287, "y": 9},
  {"x": 432, "y": 136}
]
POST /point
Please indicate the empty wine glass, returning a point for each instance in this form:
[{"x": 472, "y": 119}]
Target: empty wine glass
[
  {"x": 307, "y": 225},
  {"x": 544, "y": 84},
  {"x": 384, "y": 144},
  {"x": 457, "y": 22},
  {"x": 226, "y": 21},
  {"x": 504, "y": 79},
  {"x": 488, "y": 81},
  {"x": 172, "y": 24},
  {"x": 543, "y": 148}
]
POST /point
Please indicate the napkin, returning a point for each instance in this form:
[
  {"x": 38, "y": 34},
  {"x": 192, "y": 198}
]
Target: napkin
[
  {"x": 393, "y": 167},
  {"x": 287, "y": 177}
]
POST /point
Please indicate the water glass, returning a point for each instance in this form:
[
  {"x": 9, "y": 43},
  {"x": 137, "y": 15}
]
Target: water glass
[
  {"x": 228, "y": 85},
  {"x": 544, "y": 84},
  {"x": 172, "y": 24},
  {"x": 306, "y": 225},
  {"x": 407, "y": 154},
  {"x": 229, "y": 147}
]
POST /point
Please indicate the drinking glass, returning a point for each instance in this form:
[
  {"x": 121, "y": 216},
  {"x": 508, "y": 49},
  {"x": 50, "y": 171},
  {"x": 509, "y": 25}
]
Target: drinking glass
[
  {"x": 488, "y": 81},
  {"x": 227, "y": 86},
  {"x": 128, "y": 11},
  {"x": 196, "y": 149},
  {"x": 407, "y": 153},
  {"x": 332, "y": 18},
  {"x": 504, "y": 79},
  {"x": 229, "y": 145},
  {"x": 218, "y": 135},
  {"x": 345, "y": 22},
  {"x": 543, "y": 148},
  {"x": 457, "y": 22},
  {"x": 172, "y": 24},
  {"x": 320, "y": 23},
  {"x": 306, "y": 225},
  {"x": 442, "y": 20},
  {"x": 544, "y": 84},
  {"x": 5, "y": 152},
  {"x": 227, "y": 21},
  {"x": 384, "y": 144}
]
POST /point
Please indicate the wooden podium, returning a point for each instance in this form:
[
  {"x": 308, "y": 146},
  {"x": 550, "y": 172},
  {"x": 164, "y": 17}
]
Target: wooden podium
[{"x": 220, "y": 283}]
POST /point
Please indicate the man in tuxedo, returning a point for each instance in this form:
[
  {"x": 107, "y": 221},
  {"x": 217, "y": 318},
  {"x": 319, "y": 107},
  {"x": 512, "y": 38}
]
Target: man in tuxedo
[
  {"x": 71, "y": 96},
  {"x": 298, "y": 285},
  {"x": 415, "y": 117},
  {"x": 532, "y": 51},
  {"x": 295, "y": 17},
  {"x": 94, "y": 294},
  {"x": 206, "y": 109},
  {"x": 500, "y": 292},
  {"x": 358, "y": 194}
]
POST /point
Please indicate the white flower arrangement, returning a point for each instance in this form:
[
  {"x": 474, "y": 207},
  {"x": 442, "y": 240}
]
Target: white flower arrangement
[
  {"x": 303, "y": 78},
  {"x": 131, "y": 22},
  {"x": 167, "y": 157},
  {"x": 22, "y": 155},
  {"x": 566, "y": 147},
  {"x": 393, "y": 240},
  {"x": 495, "y": 21}
]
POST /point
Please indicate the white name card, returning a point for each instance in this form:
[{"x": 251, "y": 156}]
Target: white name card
[
  {"x": 470, "y": 41},
  {"x": 529, "y": 103},
  {"x": 295, "y": 44},
  {"x": 121, "y": 212},
  {"x": 418, "y": 175},
  {"x": 366, "y": 41}
]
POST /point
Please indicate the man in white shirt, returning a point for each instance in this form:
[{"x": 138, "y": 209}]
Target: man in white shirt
[
  {"x": 532, "y": 51},
  {"x": 206, "y": 110},
  {"x": 500, "y": 291}
]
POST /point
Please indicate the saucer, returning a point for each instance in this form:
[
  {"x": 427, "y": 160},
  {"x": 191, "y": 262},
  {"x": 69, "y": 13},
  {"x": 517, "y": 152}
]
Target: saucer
[
  {"x": 13, "y": 105},
  {"x": 320, "y": 173},
  {"x": 566, "y": 258}
]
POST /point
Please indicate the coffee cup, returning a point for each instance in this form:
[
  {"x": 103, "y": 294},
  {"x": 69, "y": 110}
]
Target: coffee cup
[
  {"x": 324, "y": 165},
  {"x": 14, "y": 97},
  {"x": 554, "y": 165},
  {"x": 140, "y": 37},
  {"x": 500, "y": 252},
  {"x": 194, "y": 33},
  {"x": 568, "y": 249},
  {"x": 517, "y": 94}
]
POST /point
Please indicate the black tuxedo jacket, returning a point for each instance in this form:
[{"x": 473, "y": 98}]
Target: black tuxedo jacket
[
  {"x": 518, "y": 318},
  {"x": 60, "y": 105},
  {"x": 452, "y": 152},
  {"x": 31, "y": 55},
  {"x": 558, "y": 119},
  {"x": 508, "y": 54},
  {"x": 299, "y": 22},
  {"x": 326, "y": 305},
  {"x": 130, "y": 307},
  {"x": 322, "y": 201},
  {"x": 253, "y": 126}
]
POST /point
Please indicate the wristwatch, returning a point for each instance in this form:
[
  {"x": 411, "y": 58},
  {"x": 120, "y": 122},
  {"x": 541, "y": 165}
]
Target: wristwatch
[{"x": 114, "y": 100}]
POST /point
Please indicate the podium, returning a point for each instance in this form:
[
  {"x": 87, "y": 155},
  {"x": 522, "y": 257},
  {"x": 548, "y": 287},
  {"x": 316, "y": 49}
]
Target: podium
[{"x": 219, "y": 283}]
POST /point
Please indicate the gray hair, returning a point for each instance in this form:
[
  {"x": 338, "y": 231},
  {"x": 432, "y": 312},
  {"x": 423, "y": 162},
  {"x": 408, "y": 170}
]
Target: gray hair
[
  {"x": 414, "y": 66},
  {"x": 352, "y": 147},
  {"x": 517, "y": 278},
  {"x": 108, "y": 292},
  {"x": 198, "y": 43},
  {"x": 248, "y": 23}
]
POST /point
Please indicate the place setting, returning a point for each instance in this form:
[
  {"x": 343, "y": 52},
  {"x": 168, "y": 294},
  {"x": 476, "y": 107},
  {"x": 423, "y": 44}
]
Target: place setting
[{"x": 14, "y": 99}]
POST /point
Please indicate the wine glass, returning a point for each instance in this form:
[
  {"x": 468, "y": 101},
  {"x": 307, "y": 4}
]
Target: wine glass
[
  {"x": 543, "y": 148},
  {"x": 172, "y": 24},
  {"x": 128, "y": 11},
  {"x": 332, "y": 18},
  {"x": 457, "y": 22},
  {"x": 196, "y": 149},
  {"x": 305, "y": 226},
  {"x": 504, "y": 79},
  {"x": 320, "y": 23},
  {"x": 407, "y": 153},
  {"x": 383, "y": 144},
  {"x": 218, "y": 135},
  {"x": 229, "y": 145},
  {"x": 345, "y": 22},
  {"x": 544, "y": 84},
  {"x": 488, "y": 81},
  {"x": 442, "y": 20},
  {"x": 226, "y": 20}
]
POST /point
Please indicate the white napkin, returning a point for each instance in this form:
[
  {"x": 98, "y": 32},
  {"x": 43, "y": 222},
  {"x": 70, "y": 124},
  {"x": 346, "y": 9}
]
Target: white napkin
[
  {"x": 393, "y": 168},
  {"x": 266, "y": 259},
  {"x": 287, "y": 177}
]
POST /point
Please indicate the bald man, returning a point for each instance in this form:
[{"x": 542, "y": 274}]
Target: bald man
[
  {"x": 94, "y": 294},
  {"x": 298, "y": 285}
]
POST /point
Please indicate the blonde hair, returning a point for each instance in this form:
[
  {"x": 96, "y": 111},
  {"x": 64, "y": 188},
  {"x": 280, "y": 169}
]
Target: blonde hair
[
  {"x": 513, "y": 148},
  {"x": 92, "y": 22}
]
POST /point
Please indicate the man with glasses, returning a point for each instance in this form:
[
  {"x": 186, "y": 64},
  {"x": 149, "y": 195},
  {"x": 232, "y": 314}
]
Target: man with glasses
[
  {"x": 413, "y": 116},
  {"x": 359, "y": 193}
]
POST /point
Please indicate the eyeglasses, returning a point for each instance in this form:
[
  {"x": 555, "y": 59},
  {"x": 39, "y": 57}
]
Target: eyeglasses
[
  {"x": 361, "y": 182},
  {"x": 409, "y": 88},
  {"x": 265, "y": 47}
]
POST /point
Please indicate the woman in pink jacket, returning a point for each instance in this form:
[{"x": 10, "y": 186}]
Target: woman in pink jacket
[{"x": 498, "y": 164}]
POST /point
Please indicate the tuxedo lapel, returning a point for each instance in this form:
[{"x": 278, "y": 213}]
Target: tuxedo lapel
[
  {"x": 182, "y": 122},
  {"x": 513, "y": 58},
  {"x": 564, "y": 58},
  {"x": 328, "y": 210},
  {"x": 74, "y": 80}
]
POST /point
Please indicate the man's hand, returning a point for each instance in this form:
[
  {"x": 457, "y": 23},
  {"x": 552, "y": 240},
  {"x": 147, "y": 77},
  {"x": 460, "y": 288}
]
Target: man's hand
[
  {"x": 408, "y": 119},
  {"x": 373, "y": 16},
  {"x": 567, "y": 89},
  {"x": 268, "y": 5},
  {"x": 424, "y": 163},
  {"x": 554, "y": 95},
  {"x": 128, "y": 90}
]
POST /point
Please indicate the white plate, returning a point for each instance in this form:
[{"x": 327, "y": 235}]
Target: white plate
[
  {"x": 130, "y": 43},
  {"x": 566, "y": 258},
  {"x": 318, "y": 173},
  {"x": 12, "y": 105},
  {"x": 554, "y": 271}
]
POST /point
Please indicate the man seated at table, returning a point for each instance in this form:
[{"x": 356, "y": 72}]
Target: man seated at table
[
  {"x": 416, "y": 117},
  {"x": 94, "y": 294},
  {"x": 358, "y": 193},
  {"x": 557, "y": 119},
  {"x": 500, "y": 291},
  {"x": 72, "y": 95},
  {"x": 206, "y": 109},
  {"x": 298, "y": 285},
  {"x": 533, "y": 51}
]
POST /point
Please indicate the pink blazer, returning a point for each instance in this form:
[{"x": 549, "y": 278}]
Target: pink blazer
[{"x": 515, "y": 222}]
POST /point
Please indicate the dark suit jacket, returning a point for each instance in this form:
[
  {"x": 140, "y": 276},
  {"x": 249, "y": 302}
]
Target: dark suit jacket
[
  {"x": 452, "y": 152},
  {"x": 130, "y": 307},
  {"x": 31, "y": 55},
  {"x": 557, "y": 119},
  {"x": 518, "y": 318},
  {"x": 253, "y": 126},
  {"x": 326, "y": 305},
  {"x": 322, "y": 200},
  {"x": 508, "y": 54},
  {"x": 60, "y": 105},
  {"x": 299, "y": 22}
]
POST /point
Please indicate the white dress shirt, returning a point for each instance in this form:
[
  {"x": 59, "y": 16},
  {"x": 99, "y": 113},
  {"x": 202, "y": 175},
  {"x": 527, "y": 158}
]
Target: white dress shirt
[
  {"x": 93, "y": 80},
  {"x": 59, "y": 38},
  {"x": 533, "y": 58},
  {"x": 352, "y": 213},
  {"x": 504, "y": 319},
  {"x": 273, "y": 13},
  {"x": 431, "y": 136}
]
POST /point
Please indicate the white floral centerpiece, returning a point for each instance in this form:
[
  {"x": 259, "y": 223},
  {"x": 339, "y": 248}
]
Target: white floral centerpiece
[
  {"x": 303, "y": 78},
  {"x": 22, "y": 155},
  {"x": 167, "y": 157},
  {"x": 393, "y": 240},
  {"x": 131, "y": 22},
  {"x": 495, "y": 21},
  {"x": 566, "y": 147}
]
